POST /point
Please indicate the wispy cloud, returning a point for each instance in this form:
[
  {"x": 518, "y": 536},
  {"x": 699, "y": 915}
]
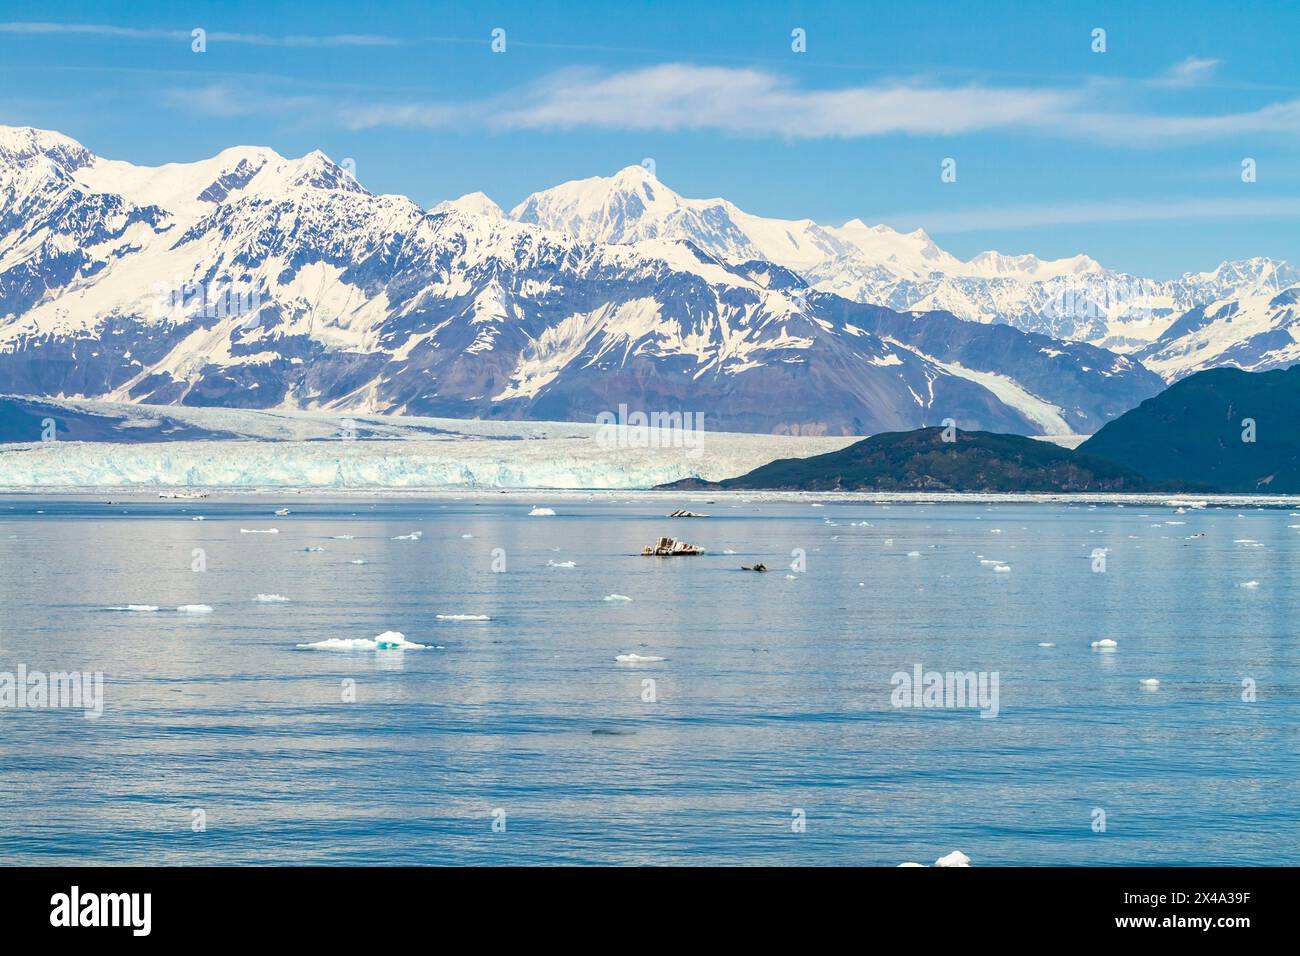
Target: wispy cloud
[
  {"x": 682, "y": 96},
  {"x": 987, "y": 219},
  {"x": 753, "y": 102},
  {"x": 213, "y": 36},
  {"x": 1192, "y": 71}
]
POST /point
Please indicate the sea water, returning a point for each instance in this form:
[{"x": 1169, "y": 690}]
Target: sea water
[{"x": 757, "y": 722}]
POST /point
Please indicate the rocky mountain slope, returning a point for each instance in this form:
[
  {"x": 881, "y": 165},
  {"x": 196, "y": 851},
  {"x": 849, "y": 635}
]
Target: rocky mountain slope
[
  {"x": 1073, "y": 298},
  {"x": 252, "y": 280}
]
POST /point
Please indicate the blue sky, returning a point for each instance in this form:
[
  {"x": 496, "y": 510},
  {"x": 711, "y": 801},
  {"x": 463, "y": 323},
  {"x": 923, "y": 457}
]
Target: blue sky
[{"x": 1132, "y": 155}]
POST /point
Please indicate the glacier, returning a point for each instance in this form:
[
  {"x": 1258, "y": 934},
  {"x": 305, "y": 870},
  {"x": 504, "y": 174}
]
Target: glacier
[{"x": 306, "y": 451}]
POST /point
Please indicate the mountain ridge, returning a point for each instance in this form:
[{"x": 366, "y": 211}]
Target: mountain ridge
[{"x": 253, "y": 280}]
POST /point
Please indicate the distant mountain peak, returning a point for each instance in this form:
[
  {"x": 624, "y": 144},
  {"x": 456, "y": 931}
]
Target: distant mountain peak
[
  {"x": 475, "y": 203},
  {"x": 19, "y": 144}
]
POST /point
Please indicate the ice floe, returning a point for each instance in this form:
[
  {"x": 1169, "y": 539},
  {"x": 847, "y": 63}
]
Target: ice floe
[
  {"x": 636, "y": 659},
  {"x": 614, "y": 598},
  {"x": 542, "y": 513},
  {"x": 259, "y": 530},
  {"x": 413, "y": 536},
  {"x": 1105, "y": 644},
  {"x": 389, "y": 640},
  {"x": 561, "y": 564},
  {"x": 1249, "y": 585},
  {"x": 271, "y": 599},
  {"x": 1149, "y": 682},
  {"x": 194, "y": 609},
  {"x": 462, "y": 617},
  {"x": 955, "y": 858},
  {"x": 132, "y": 607}
]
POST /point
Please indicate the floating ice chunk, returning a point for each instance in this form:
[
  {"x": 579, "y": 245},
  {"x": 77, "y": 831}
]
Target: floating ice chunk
[
  {"x": 636, "y": 659},
  {"x": 561, "y": 564},
  {"x": 728, "y": 551},
  {"x": 914, "y": 554},
  {"x": 1046, "y": 644},
  {"x": 462, "y": 617},
  {"x": 194, "y": 609},
  {"x": 955, "y": 858},
  {"x": 1149, "y": 682},
  {"x": 1003, "y": 569},
  {"x": 1249, "y": 585},
  {"x": 271, "y": 599},
  {"x": 1105, "y": 644},
  {"x": 281, "y": 512},
  {"x": 259, "y": 530},
  {"x": 922, "y": 865},
  {"x": 309, "y": 548},
  {"x": 992, "y": 531},
  {"x": 542, "y": 513},
  {"x": 614, "y": 598},
  {"x": 341, "y": 537},
  {"x": 413, "y": 536},
  {"x": 132, "y": 607},
  {"x": 466, "y": 537},
  {"x": 387, "y": 641},
  {"x": 889, "y": 542},
  {"x": 198, "y": 518}
]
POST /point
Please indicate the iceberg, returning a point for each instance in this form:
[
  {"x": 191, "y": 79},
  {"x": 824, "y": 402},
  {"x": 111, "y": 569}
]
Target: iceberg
[{"x": 389, "y": 640}]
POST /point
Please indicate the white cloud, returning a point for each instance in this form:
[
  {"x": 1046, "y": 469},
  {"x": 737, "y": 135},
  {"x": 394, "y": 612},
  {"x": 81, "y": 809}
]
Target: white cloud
[
  {"x": 753, "y": 102},
  {"x": 1190, "y": 72},
  {"x": 214, "y": 36},
  {"x": 681, "y": 96}
]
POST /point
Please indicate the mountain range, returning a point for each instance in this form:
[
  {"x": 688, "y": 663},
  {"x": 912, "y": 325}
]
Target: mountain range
[{"x": 254, "y": 280}]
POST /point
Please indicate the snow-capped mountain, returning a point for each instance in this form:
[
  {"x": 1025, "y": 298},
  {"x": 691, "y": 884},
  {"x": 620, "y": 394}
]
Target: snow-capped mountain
[
  {"x": 1072, "y": 298},
  {"x": 1255, "y": 333},
  {"x": 254, "y": 280}
]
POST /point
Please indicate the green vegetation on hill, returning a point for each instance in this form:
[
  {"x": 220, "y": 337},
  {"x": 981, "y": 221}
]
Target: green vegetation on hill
[{"x": 922, "y": 460}]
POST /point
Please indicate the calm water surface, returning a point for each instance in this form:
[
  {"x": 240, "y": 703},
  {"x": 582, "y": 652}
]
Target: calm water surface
[{"x": 774, "y": 694}]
